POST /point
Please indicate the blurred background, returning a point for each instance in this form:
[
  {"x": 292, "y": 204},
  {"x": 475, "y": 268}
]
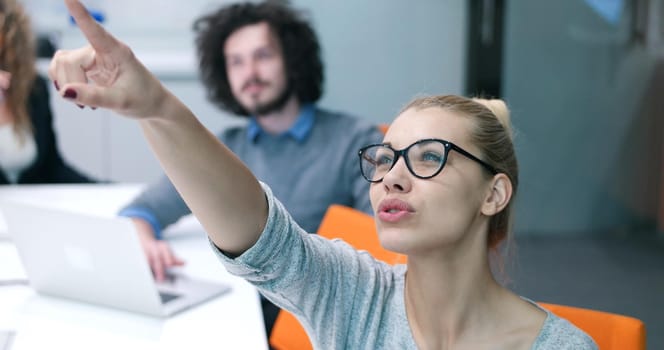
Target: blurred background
[{"x": 583, "y": 78}]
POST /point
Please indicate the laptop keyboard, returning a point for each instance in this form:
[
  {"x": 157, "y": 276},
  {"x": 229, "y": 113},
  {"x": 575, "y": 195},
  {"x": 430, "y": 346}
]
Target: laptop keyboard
[{"x": 166, "y": 297}]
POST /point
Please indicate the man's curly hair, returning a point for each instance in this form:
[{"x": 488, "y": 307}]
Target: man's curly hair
[{"x": 298, "y": 40}]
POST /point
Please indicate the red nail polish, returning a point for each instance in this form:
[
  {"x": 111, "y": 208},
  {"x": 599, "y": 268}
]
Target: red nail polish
[
  {"x": 70, "y": 93},
  {"x": 55, "y": 83}
]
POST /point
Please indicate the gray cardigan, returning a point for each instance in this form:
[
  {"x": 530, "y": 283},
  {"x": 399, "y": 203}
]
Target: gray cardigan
[{"x": 344, "y": 298}]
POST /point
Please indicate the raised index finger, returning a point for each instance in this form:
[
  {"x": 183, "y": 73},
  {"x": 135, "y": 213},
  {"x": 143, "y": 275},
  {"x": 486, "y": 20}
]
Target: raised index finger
[{"x": 97, "y": 36}]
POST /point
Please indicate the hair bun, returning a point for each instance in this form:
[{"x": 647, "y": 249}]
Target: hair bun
[{"x": 499, "y": 108}]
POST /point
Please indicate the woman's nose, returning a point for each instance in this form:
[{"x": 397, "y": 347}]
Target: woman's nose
[{"x": 398, "y": 178}]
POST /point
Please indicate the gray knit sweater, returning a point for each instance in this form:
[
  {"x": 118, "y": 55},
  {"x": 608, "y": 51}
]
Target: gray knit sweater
[
  {"x": 306, "y": 175},
  {"x": 344, "y": 298}
]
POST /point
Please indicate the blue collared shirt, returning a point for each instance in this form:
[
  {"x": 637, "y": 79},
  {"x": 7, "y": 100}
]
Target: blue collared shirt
[{"x": 299, "y": 131}]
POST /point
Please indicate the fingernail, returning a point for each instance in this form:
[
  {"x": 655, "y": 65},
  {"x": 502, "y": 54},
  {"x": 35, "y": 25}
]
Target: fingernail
[
  {"x": 70, "y": 93},
  {"x": 55, "y": 83},
  {"x": 80, "y": 106},
  {"x": 94, "y": 108}
]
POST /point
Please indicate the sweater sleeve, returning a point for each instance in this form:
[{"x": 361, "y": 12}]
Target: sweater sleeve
[
  {"x": 559, "y": 334},
  {"x": 325, "y": 283}
]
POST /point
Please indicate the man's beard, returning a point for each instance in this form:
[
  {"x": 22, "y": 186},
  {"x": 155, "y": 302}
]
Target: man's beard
[{"x": 274, "y": 105}]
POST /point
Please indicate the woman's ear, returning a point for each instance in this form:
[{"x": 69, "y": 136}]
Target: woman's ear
[{"x": 499, "y": 195}]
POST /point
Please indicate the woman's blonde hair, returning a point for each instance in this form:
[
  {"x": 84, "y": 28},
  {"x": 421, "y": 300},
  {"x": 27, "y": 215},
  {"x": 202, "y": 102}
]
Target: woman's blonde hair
[
  {"x": 17, "y": 56},
  {"x": 492, "y": 134}
]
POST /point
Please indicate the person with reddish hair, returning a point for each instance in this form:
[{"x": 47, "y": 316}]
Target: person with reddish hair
[{"x": 28, "y": 147}]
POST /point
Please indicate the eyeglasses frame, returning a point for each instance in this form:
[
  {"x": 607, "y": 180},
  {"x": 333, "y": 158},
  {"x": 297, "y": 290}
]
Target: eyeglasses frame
[{"x": 403, "y": 153}]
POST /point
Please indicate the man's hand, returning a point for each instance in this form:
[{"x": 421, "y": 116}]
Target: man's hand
[{"x": 159, "y": 253}]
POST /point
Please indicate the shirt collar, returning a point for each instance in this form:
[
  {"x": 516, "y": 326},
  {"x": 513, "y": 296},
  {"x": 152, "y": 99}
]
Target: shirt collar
[{"x": 298, "y": 131}]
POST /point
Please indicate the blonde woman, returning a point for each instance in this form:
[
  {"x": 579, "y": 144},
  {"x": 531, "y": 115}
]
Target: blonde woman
[
  {"x": 442, "y": 183},
  {"x": 28, "y": 147}
]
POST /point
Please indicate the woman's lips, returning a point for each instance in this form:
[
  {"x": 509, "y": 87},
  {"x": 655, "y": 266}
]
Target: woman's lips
[{"x": 394, "y": 210}]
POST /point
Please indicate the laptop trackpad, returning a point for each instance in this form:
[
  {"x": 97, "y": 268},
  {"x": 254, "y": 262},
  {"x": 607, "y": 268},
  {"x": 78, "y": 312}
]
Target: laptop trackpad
[
  {"x": 166, "y": 297},
  {"x": 170, "y": 289},
  {"x": 179, "y": 291}
]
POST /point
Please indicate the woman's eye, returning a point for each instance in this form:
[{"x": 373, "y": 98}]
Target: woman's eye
[
  {"x": 431, "y": 157},
  {"x": 383, "y": 160}
]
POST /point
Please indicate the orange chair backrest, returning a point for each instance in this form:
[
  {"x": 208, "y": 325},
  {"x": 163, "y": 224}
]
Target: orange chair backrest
[
  {"x": 383, "y": 128},
  {"x": 357, "y": 229},
  {"x": 288, "y": 334},
  {"x": 610, "y": 331}
]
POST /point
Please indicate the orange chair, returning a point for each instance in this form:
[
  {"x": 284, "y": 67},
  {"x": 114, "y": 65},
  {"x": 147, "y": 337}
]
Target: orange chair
[
  {"x": 383, "y": 128},
  {"x": 610, "y": 331},
  {"x": 288, "y": 334},
  {"x": 357, "y": 229}
]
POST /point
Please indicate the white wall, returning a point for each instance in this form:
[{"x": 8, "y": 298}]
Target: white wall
[
  {"x": 378, "y": 55},
  {"x": 110, "y": 147}
]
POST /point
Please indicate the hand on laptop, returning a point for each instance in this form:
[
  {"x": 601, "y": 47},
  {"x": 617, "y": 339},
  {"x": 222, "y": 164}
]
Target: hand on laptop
[{"x": 158, "y": 252}]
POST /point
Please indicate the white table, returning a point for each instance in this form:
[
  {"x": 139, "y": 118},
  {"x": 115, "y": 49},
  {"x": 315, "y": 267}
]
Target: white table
[{"x": 231, "y": 321}]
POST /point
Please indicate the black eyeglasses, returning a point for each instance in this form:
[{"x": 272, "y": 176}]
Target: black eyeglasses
[{"x": 424, "y": 159}]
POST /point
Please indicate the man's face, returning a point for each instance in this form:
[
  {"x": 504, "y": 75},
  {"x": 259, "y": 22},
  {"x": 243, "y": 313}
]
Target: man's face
[{"x": 256, "y": 69}]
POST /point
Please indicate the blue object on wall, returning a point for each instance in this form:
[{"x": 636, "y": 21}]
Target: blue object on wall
[
  {"x": 609, "y": 10},
  {"x": 98, "y": 15}
]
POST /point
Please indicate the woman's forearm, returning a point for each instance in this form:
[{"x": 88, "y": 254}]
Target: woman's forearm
[{"x": 219, "y": 189}]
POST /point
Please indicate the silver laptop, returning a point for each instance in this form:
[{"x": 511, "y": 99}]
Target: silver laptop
[{"x": 97, "y": 260}]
